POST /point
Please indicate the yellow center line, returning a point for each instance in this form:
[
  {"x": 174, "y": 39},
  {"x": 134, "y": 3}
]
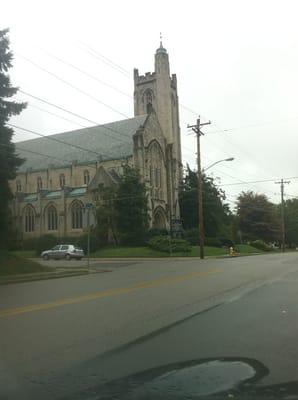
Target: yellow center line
[{"x": 105, "y": 293}]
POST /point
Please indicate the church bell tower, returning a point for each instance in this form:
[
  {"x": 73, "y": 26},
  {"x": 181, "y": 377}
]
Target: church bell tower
[{"x": 158, "y": 91}]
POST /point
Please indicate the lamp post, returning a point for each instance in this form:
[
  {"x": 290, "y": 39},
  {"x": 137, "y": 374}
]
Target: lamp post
[
  {"x": 217, "y": 162},
  {"x": 202, "y": 232}
]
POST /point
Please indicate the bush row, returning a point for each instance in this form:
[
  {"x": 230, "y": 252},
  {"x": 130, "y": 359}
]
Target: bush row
[
  {"x": 260, "y": 245},
  {"x": 168, "y": 245},
  {"x": 192, "y": 236}
]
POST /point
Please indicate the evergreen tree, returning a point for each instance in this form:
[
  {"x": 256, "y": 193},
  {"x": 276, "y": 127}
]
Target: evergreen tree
[
  {"x": 9, "y": 161},
  {"x": 131, "y": 207}
]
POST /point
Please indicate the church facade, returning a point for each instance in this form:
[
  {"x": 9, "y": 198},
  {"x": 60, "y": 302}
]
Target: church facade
[{"x": 63, "y": 173}]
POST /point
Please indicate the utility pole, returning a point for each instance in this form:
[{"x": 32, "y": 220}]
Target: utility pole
[
  {"x": 282, "y": 208},
  {"x": 197, "y": 129}
]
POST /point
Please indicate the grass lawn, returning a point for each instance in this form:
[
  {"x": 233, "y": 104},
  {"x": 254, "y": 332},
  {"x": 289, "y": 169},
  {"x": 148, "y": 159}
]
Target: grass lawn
[
  {"x": 246, "y": 249},
  {"x": 208, "y": 251},
  {"x": 24, "y": 253},
  {"x": 123, "y": 252},
  {"x": 11, "y": 264},
  {"x": 127, "y": 252}
]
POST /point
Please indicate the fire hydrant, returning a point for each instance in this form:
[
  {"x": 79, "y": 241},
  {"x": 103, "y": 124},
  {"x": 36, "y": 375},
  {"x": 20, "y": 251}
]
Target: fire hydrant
[{"x": 232, "y": 251}]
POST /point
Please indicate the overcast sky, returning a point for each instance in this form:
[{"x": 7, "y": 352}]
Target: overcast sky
[{"x": 236, "y": 63}]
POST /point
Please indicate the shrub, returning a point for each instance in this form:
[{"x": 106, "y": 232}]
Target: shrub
[
  {"x": 213, "y": 242},
  {"x": 260, "y": 245},
  {"x": 192, "y": 236},
  {"x": 166, "y": 244},
  {"x": 156, "y": 232},
  {"x": 227, "y": 242},
  {"x": 45, "y": 242},
  {"x": 82, "y": 242},
  {"x": 29, "y": 244}
]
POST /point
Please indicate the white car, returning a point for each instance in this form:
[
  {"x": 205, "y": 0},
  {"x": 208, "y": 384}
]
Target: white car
[{"x": 67, "y": 251}]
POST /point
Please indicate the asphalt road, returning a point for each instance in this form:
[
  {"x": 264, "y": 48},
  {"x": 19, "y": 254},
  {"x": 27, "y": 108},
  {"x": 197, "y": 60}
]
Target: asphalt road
[{"x": 163, "y": 329}]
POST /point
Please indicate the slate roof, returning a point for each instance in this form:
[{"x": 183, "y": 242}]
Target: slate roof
[
  {"x": 31, "y": 197},
  {"x": 54, "y": 195},
  {"x": 78, "y": 192},
  {"x": 103, "y": 142}
]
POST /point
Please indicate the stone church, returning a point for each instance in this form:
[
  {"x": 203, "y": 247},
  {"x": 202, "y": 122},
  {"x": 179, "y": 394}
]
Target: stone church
[{"x": 63, "y": 173}]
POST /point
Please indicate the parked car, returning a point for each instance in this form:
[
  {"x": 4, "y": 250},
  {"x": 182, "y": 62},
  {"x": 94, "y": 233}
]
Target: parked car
[{"x": 67, "y": 251}]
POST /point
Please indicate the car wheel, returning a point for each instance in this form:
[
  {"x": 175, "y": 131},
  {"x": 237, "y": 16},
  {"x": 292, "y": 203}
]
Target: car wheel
[
  {"x": 79, "y": 258},
  {"x": 45, "y": 257},
  {"x": 67, "y": 257}
]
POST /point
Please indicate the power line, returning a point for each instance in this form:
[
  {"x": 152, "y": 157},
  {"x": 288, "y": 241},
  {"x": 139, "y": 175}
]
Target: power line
[
  {"x": 87, "y": 74},
  {"x": 56, "y": 115},
  {"x": 240, "y": 180},
  {"x": 77, "y": 115},
  {"x": 73, "y": 86},
  {"x": 58, "y": 107},
  {"x": 43, "y": 69},
  {"x": 105, "y": 60},
  {"x": 97, "y": 79},
  {"x": 249, "y": 126},
  {"x": 36, "y": 153},
  {"x": 50, "y": 137},
  {"x": 218, "y": 131},
  {"x": 249, "y": 182}
]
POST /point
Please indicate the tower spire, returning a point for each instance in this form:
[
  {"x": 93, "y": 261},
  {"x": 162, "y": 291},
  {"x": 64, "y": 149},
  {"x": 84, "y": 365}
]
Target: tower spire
[{"x": 161, "y": 49}]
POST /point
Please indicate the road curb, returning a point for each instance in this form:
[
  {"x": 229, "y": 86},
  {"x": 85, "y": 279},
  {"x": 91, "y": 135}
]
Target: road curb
[
  {"x": 40, "y": 276},
  {"x": 169, "y": 258}
]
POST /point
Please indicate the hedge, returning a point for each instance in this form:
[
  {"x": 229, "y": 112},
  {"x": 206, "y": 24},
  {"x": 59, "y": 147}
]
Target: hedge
[
  {"x": 260, "y": 245},
  {"x": 168, "y": 245}
]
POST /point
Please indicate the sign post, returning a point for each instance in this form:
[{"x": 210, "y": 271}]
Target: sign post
[{"x": 88, "y": 207}]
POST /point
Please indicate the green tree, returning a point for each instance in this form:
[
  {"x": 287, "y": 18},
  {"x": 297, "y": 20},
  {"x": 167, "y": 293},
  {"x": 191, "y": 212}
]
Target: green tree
[
  {"x": 217, "y": 215},
  {"x": 257, "y": 217},
  {"x": 131, "y": 205},
  {"x": 9, "y": 161},
  {"x": 291, "y": 222},
  {"x": 106, "y": 214}
]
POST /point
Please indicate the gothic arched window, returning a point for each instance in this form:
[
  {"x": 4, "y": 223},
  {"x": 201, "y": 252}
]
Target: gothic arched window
[
  {"x": 148, "y": 98},
  {"x": 62, "y": 180},
  {"x": 18, "y": 186},
  {"x": 52, "y": 218},
  {"x": 77, "y": 215},
  {"x": 86, "y": 177},
  {"x": 156, "y": 170},
  {"x": 29, "y": 219},
  {"x": 39, "y": 183}
]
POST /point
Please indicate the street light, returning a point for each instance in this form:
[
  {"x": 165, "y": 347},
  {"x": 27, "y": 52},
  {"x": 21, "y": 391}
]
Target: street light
[
  {"x": 200, "y": 193},
  {"x": 217, "y": 162}
]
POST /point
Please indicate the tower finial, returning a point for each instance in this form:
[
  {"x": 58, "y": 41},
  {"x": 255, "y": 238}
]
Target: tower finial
[{"x": 161, "y": 49}]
